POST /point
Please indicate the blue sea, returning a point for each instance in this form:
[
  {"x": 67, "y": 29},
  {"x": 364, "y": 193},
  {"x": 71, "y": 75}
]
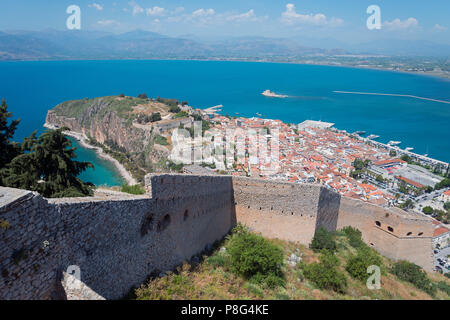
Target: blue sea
[{"x": 31, "y": 88}]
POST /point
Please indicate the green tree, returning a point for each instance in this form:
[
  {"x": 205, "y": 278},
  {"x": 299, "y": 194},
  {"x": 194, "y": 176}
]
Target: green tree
[
  {"x": 256, "y": 258},
  {"x": 443, "y": 184},
  {"x": 323, "y": 239},
  {"x": 325, "y": 274},
  {"x": 48, "y": 167},
  {"x": 8, "y": 149},
  {"x": 414, "y": 274},
  {"x": 155, "y": 117},
  {"x": 427, "y": 210},
  {"x": 447, "y": 206},
  {"x": 357, "y": 265}
]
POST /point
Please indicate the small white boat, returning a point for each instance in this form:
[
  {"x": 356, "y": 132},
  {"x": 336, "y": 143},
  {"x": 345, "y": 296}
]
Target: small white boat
[
  {"x": 409, "y": 149},
  {"x": 373, "y": 136},
  {"x": 394, "y": 143}
]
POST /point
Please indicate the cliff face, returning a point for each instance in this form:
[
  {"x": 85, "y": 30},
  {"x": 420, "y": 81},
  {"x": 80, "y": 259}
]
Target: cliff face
[
  {"x": 101, "y": 121},
  {"x": 109, "y": 121}
]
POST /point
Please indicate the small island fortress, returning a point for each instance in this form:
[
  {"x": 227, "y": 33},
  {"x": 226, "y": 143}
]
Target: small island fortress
[
  {"x": 116, "y": 241},
  {"x": 271, "y": 94}
]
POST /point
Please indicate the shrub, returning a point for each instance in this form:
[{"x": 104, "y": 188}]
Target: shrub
[
  {"x": 181, "y": 114},
  {"x": 443, "y": 286},
  {"x": 427, "y": 210},
  {"x": 414, "y": 274},
  {"x": 357, "y": 265},
  {"x": 161, "y": 140},
  {"x": 5, "y": 225},
  {"x": 325, "y": 274},
  {"x": 174, "y": 109},
  {"x": 136, "y": 189},
  {"x": 447, "y": 206},
  {"x": 143, "y": 96},
  {"x": 255, "y": 258},
  {"x": 354, "y": 237},
  {"x": 122, "y": 95},
  {"x": 155, "y": 117},
  {"x": 323, "y": 239}
]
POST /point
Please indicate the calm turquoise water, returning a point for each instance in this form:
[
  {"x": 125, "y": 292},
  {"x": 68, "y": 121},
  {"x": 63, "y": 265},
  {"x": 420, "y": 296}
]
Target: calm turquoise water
[
  {"x": 31, "y": 88},
  {"x": 104, "y": 172}
]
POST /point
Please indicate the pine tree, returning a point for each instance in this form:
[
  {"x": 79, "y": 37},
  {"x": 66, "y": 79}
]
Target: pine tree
[
  {"x": 8, "y": 149},
  {"x": 46, "y": 165}
]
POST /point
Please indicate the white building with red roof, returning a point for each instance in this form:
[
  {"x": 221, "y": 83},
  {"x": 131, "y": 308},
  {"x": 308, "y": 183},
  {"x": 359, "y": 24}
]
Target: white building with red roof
[
  {"x": 446, "y": 196},
  {"x": 441, "y": 236}
]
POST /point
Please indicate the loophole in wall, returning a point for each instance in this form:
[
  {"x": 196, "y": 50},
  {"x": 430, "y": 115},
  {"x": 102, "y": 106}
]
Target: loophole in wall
[{"x": 164, "y": 223}]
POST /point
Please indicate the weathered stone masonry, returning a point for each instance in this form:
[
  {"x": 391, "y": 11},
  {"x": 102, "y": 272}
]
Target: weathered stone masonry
[{"x": 119, "y": 242}]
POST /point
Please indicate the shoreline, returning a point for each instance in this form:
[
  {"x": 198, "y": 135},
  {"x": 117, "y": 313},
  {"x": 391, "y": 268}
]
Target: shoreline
[
  {"x": 445, "y": 77},
  {"x": 82, "y": 139}
]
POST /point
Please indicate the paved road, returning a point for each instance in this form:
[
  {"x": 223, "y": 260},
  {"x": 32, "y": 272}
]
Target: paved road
[{"x": 443, "y": 253}]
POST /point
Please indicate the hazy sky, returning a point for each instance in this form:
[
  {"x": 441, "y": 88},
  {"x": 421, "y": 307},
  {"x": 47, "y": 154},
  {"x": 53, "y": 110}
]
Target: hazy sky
[{"x": 344, "y": 20}]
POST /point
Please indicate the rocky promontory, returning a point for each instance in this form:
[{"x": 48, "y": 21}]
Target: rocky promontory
[{"x": 126, "y": 128}]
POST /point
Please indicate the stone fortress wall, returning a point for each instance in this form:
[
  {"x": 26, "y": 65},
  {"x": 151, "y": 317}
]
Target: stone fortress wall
[{"x": 119, "y": 241}]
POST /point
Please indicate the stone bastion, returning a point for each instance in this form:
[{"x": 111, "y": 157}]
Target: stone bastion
[{"x": 117, "y": 242}]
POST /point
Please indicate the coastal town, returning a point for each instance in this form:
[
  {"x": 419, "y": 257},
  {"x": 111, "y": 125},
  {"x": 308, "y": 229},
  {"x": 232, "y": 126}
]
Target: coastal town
[{"x": 316, "y": 152}]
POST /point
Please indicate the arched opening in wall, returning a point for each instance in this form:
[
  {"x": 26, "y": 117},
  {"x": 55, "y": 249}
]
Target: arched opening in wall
[
  {"x": 164, "y": 223},
  {"x": 248, "y": 207},
  {"x": 371, "y": 244},
  {"x": 292, "y": 213},
  {"x": 390, "y": 229},
  {"x": 378, "y": 223},
  {"x": 420, "y": 234},
  {"x": 186, "y": 214},
  {"x": 147, "y": 224},
  {"x": 409, "y": 233}
]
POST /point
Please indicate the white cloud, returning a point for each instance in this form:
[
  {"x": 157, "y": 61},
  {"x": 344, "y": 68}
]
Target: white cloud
[
  {"x": 155, "y": 11},
  {"x": 96, "y": 6},
  {"x": 137, "y": 9},
  {"x": 398, "y": 24},
  {"x": 247, "y": 16},
  {"x": 438, "y": 27},
  {"x": 203, "y": 13},
  {"x": 291, "y": 17},
  {"x": 209, "y": 16}
]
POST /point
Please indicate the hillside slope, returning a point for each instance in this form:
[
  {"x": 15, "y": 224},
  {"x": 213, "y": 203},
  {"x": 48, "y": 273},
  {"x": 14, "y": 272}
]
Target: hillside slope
[{"x": 112, "y": 124}]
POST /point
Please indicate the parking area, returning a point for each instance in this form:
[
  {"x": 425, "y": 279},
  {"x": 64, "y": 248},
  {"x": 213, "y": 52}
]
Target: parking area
[{"x": 442, "y": 254}]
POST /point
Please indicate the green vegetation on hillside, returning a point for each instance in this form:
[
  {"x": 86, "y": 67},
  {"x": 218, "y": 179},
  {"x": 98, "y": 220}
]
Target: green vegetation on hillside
[
  {"x": 136, "y": 189},
  {"x": 230, "y": 271},
  {"x": 44, "y": 164}
]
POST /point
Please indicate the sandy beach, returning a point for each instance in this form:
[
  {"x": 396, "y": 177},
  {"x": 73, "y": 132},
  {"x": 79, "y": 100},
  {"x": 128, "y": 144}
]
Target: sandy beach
[{"x": 83, "y": 140}]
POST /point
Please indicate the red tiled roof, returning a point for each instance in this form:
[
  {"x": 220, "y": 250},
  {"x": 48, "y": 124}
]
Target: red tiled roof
[
  {"x": 440, "y": 230},
  {"x": 389, "y": 161},
  {"x": 411, "y": 182}
]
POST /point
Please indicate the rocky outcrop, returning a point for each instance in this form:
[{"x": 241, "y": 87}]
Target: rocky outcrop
[
  {"x": 109, "y": 121},
  {"x": 103, "y": 125}
]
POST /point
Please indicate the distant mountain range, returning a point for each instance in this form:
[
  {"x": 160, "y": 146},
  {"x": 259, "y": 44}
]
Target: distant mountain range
[{"x": 53, "y": 44}]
